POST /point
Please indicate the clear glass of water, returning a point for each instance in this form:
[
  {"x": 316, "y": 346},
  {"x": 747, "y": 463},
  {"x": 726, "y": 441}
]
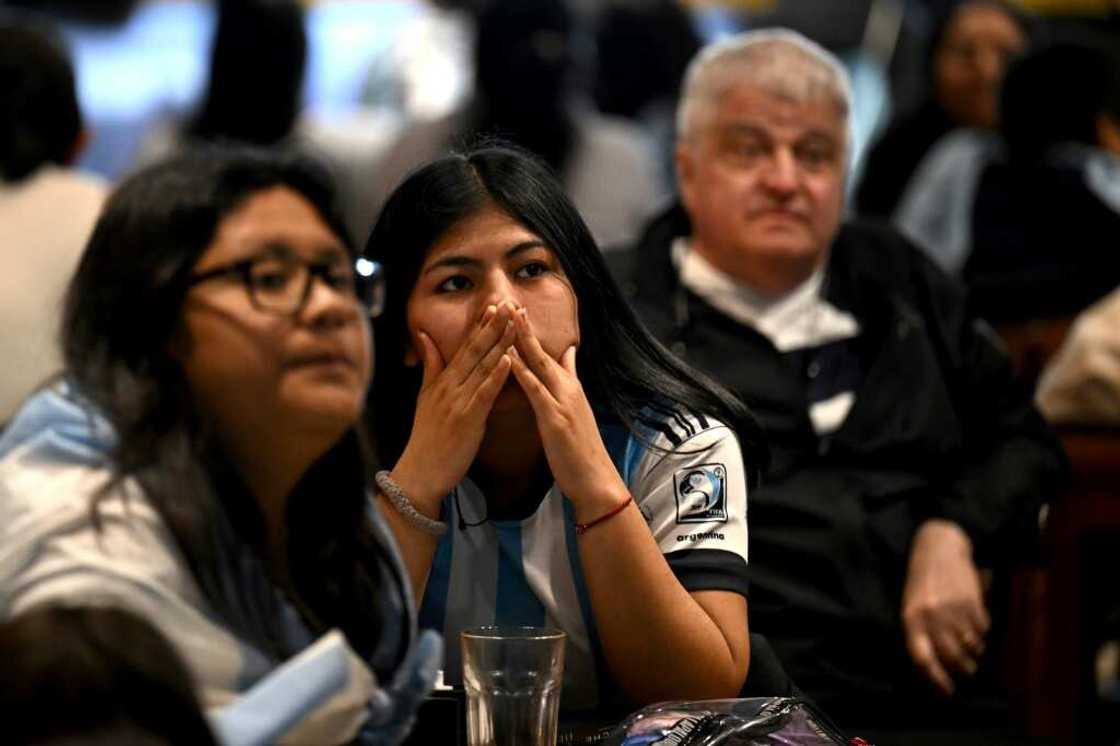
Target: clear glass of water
[{"x": 512, "y": 676}]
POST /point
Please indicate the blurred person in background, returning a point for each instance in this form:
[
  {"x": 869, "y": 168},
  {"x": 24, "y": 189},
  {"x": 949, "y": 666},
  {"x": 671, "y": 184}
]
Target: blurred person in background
[
  {"x": 971, "y": 46},
  {"x": 47, "y": 209},
  {"x": 254, "y": 96},
  {"x": 95, "y": 676},
  {"x": 257, "y": 63},
  {"x": 904, "y": 455},
  {"x": 525, "y": 92},
  {"x": 642, "y": 48},
  {"x": 1028, "y": 218},
  {"x": 203, "y": 463},
  {"x": 1081, "y": 384},
  {"x": 254, "y": 87}
]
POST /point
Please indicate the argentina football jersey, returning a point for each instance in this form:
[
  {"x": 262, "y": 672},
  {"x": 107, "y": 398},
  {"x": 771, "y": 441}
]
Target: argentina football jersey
[{"x": 687, "y": 477}]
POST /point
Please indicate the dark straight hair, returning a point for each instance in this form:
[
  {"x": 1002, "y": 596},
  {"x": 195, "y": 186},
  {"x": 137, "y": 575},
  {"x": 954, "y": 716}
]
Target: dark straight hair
[
  {"x": 122, "y": 308},
  {"x": 95, "y": 676},
  {"x": 624, "y": 370}
]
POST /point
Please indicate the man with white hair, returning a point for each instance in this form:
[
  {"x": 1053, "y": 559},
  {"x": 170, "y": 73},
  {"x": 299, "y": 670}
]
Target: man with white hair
[{"x": 904, "y": 455}]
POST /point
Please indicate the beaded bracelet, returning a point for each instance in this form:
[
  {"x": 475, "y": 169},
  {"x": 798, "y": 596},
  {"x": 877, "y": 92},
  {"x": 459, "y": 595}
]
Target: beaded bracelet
[
  {"x": 404, "y": 506},
  {"x": 582, "y": 528}
]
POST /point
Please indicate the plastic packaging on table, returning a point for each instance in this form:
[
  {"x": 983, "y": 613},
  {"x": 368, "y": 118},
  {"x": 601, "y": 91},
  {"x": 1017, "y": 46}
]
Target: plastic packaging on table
[{"x": 762, "y": 721}]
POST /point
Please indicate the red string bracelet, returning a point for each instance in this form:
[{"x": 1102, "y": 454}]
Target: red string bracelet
[{"x": 582, "y": 528}]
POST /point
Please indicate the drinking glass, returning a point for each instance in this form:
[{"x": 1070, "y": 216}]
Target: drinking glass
[{"x": 512, "y": 676}]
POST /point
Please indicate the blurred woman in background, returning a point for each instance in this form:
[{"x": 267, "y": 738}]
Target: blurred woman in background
[{"x": 970, "y": 49}]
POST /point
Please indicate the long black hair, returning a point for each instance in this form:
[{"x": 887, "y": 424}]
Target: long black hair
[
  {"x": 122, "y": 308},
  {"x": 104, "y": 675},
  {"x": 623, "y": 369}
]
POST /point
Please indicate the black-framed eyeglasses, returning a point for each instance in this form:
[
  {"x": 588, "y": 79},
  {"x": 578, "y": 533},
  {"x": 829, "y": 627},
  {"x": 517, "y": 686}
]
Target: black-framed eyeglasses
[{"x": 282, "y": 285}]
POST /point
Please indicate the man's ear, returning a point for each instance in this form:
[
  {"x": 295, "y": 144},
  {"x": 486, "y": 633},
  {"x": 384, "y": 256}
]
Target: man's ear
[{"x": 686, "y": 167}]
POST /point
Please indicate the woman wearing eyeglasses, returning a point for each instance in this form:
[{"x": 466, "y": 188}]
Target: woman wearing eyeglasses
[{"x": 202, "y": 461}]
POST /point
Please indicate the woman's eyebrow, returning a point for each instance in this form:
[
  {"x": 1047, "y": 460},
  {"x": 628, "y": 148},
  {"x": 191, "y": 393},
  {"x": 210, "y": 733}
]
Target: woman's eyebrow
[
  {"x": 523, "y": 247},
  {"x": 276, "y": 249},
  {"x": 461, "y": 260},
  {"x": 330, "y": 253},
  {"x": 454, "y": 260}
]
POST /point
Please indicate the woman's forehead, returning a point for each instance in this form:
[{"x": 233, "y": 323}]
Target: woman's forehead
[
  {"x": 270, "y": 219},
  {"x": 485, "y": 231}
]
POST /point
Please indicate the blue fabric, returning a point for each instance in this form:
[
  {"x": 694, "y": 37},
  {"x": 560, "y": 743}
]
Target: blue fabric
[
  {"x": 516, "y": 602},
  {"x": 392, "y": 712},
  {"x": 285, "y": 696},
  {"x": 67, "y": 429},
  {"x": 585, "y": 600},
  {"x": 295, "y": 689}
]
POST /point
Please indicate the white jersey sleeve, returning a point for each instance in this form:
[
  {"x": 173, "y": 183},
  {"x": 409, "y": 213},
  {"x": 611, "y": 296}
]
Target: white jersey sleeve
[{"x": 692, "y": 490}]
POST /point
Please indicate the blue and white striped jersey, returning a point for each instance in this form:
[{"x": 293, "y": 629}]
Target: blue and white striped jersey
[{"x": 691, "y": 488}]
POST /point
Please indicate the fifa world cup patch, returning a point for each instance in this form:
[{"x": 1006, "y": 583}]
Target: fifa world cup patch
[{"x": 701, "y": 493}]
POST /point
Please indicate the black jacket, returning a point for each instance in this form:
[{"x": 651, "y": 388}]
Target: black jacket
[{"x": 939, "y": 428}]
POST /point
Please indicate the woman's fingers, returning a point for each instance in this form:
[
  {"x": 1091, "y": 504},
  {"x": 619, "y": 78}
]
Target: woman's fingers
[
  {"x": 488, "y": 389},
  {"x": 568, "y": 361},
  {"x": 538, "y": 394},
  {"x": 491, "y": 359},
  {"x": 430, "y": 359},
  {"x": 493, "y": 324},
  {"x": 534, "y": 356}
]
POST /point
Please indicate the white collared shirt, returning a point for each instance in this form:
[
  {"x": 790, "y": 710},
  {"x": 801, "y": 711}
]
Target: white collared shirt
[{"x": 800, "y": 319}]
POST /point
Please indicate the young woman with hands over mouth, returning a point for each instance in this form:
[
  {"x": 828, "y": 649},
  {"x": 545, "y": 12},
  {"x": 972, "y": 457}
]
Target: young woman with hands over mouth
[{"x": 551, "y": 463}]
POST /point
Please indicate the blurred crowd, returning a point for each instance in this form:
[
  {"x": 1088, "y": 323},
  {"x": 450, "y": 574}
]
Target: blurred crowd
[{"x": 951, "y": 296}]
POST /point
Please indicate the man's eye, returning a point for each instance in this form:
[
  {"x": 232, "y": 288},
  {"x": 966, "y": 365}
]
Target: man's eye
[
  {"x": 813, "y": 157},
  {"x": 453, "y": 284},
  {"x": 532, "y": 269},
  {"x": 749, "y": 150}
]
